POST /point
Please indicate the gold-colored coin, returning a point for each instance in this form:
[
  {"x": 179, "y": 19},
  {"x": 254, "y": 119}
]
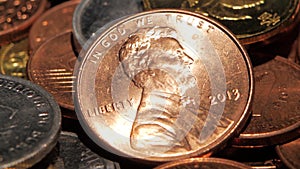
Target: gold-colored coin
[
  {"x": 250, "y": 20},
  {"x": 13, "y": 59}
]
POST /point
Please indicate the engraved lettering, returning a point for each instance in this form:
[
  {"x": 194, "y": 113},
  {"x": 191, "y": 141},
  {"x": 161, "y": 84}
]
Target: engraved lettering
[
  {"x": 43, "y": 118},
  {"x": 190, "y": 21},
  {"x": 9, "y": 85},
  {"x": 233, "y": 94},
  {"x": 269, "y": 19},
  {"x": 113, "y": 37},
  {"x": 144, "y": 21},
  {"x": 179, "y": 18},
  {"x": 95, "y": 56},
  {"x": 200, "y": 25},
  {"x": 111, "y": 107},
  {"x": 105, "y": 43},
  {"x": 121, "y": 30}
]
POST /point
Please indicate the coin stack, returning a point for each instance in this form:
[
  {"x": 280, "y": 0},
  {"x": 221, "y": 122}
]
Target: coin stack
[{"x": 149, "y": 84}]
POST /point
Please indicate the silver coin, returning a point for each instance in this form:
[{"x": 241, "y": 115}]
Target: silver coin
[
  {"x": 71, "y": 153},
  {"x": 30, "y": 122},
  {"x": 91, "y": 15}
]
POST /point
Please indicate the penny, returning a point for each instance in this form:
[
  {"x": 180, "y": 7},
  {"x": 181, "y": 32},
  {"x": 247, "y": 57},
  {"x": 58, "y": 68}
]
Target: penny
[
  {"x": 52, "y": 66},
  {"x": 204, "y": 163},
  {"x": 289, "y": 154},
  {"x": 48, "y": 25},
  {"x": 29, "y": 123},
  {"x": 91, "y": 15},
  {"x": 276, "y": 116},
  {"x": 17, "y": 16},
  {"x": 183, "y": 97},
  {"x": 13, "y": 59},
  {"x": 251, "y": 20},
  {"x": 72, "y": 153}
]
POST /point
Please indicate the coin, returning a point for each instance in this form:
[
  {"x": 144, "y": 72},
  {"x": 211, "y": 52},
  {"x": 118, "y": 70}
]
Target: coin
[
  {"x": 294, "y": 54},
  {"x": 251, "y": 20},
  {"x": 13, "y": 59},
  {"x": 276, "y": 116},
  {"x": 72, "y": 153},
  {"x": 52, "y": 66},
  {"x": 91, "y": 15},
  {"x": 188, "y": 98},
  {"x": 289, "y": 154},
  {"x": 17, "y": 16},
  {"x": 265, "y": 158},
  {"x": 29, "y": 122},
  {"x": 203, "y": 163},
  {"x": 48, "y": 25}
]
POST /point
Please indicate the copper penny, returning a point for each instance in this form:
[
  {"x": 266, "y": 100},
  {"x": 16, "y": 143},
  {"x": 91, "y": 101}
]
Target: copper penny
[
  {"x": 276, "y": 105},
  {"x": 54, "y": 21},
  {"x": 52, "y": 66},
  {"x": 289, "y": 154},
  {"x": 204, "y": 163},
  {"x": 163, "y": 85},
  {"x": 16, "y": 16}
]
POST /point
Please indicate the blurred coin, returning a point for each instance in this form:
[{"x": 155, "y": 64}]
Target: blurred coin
[
  {"x": 55, "y": 21},
  {"x": 204, "y": 163},
  {"x": 276, "y": 105},
  {"x": 72, "y": 153},
  {"x": 29, "y": 123},
  {"x": 13, "y": 59},
  {"x": 250, "y": 20},
  {"x": 289, "y": 153},
  {"x": 16, "y": 16},
  {"x": 163, "y": 85},
  {"x": 52, "y": 66},
  {"x": 91, "y": 15}
]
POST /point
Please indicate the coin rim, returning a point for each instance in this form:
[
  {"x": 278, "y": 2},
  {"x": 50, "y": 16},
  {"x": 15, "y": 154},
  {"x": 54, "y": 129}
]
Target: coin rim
[{"x": 235, "y": 130}]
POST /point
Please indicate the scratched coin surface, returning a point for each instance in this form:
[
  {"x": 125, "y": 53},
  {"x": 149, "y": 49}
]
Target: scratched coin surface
[
  {"x": 163, "y": 85},
  {"x": 276, "y": 104},
  {"x": 70, "y": 152},
  {"x": 203, "y": 163},
  {"x": 16, "y": 16},
  {"x": 250, "y": 20},
  {"x": 52, "y": 66},
  {"x": 29, "y": 123},
  {"x": 289, "y": 154},
  {"x": 54, "y": 21},
  {"x": 13, "y": 59},
  {"x": 90, "y": 15}
]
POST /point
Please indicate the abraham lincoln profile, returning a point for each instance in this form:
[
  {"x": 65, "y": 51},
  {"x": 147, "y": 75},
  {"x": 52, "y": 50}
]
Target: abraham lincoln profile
[{"x": 156, "y": 62}]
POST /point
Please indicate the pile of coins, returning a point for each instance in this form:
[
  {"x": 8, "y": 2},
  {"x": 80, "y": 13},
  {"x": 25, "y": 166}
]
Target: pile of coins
[{"x": 149, "y": 84}]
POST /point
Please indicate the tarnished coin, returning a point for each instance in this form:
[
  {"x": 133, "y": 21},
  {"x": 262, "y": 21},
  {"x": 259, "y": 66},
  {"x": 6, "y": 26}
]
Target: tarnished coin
[
  {"x": 289, "y": 153},
  {"x": 163, "y": 85},
  {"x": 91, "y": 15},
  {"x": 276, "y": 105},
  {"x": 52, "y": 66},
  {"x": 204, "y": 163},
  {"x": 250, "y": 20},
  {"x": 72, "y": 153},
  {"x": 55, "y": 21},
  {"x": 13, "y": 59},
  {"x": 16, "y": 16},
  {"x": 29, "y": 123}
]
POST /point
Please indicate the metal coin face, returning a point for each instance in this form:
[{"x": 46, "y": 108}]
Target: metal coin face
[
  {"x": 52, "y": 66},
  {"x": 250, "y": 20},
  {"x": 203, "y": 163},
  {"x": 163, "y": 85},
  {"x": 289, "y": 154},
  {"x": 13, "y": 59},
  {"x": 17, "y": 16},
  {"x": 29, "y": 123},
  {"x": 276, "y": 116},
  {"x": 72, "y": 153},
  {"x": 91, "y": 15},
  {"x": 48, "y": 25}
]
